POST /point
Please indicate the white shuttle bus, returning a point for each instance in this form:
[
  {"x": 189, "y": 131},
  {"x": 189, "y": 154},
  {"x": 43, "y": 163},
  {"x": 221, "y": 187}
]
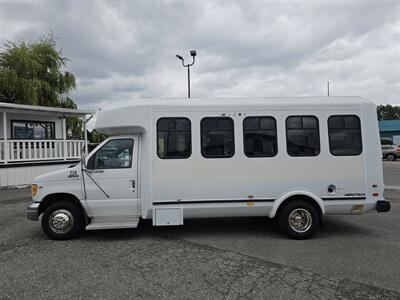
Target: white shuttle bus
[{"x": 293, "y": 159}]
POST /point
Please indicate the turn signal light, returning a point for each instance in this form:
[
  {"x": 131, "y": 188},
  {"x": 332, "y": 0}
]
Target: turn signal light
[{"x": 34, "y": 189}]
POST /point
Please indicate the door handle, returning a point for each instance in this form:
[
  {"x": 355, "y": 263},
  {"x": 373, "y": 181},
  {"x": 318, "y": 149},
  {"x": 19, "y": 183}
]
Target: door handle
[{"x": 133, "y": 185}]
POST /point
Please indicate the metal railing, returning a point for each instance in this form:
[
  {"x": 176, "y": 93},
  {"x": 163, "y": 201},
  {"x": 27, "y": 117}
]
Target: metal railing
[
  {"x": 1, "y": 151},
  {"x": 37, "y": 150}
]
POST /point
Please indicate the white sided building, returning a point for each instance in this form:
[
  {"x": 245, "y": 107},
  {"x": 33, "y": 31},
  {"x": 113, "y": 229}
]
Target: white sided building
[
  {"x": 33, "y": 141},
  {"x": 168, "y": 160}
]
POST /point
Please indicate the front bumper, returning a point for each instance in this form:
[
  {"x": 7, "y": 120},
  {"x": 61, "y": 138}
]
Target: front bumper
[
  {"x": 32, "y": 212},
  {"x": 382, "y": 206}
]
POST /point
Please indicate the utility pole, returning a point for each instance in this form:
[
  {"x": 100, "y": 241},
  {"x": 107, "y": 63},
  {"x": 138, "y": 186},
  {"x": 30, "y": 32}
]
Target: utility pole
[
  {"x": 193, "y": 54},
  {"x": 328, "y": 88}
]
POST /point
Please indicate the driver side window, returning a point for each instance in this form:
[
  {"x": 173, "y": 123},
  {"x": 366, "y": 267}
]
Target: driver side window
[{"x": 115, "y": 154}]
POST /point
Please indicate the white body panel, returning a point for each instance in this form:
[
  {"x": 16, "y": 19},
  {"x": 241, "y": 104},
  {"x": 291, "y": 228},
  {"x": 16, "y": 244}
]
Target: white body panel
[
  {"x": 237, "y": 186},
  {"x": 118, "y": 184},
  {"x": 22, "y": 175}
]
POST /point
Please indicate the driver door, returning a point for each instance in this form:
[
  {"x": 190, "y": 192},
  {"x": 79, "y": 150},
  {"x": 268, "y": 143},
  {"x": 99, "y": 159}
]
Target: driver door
[{"x": 111, "y": 179}]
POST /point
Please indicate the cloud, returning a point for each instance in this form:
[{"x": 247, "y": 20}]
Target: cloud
[{"x": 125, "y": 50}]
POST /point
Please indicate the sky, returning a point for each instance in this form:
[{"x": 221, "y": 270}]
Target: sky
[{"x": 123, "y": 50}]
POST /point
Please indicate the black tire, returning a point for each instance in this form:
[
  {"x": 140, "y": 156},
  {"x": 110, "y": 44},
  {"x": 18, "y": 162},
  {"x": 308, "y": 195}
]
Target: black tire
[
  {"x": 64, "y": 210},
  {"x": 391, "y": 157},
  {"x": 300, "y": 208}
]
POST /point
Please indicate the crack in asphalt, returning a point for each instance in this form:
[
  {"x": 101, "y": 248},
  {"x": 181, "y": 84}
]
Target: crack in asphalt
[
  {"x": 151, "y": 264},
  {"x": 163, "y": 264},
  {"x": 314, "y": 284}
]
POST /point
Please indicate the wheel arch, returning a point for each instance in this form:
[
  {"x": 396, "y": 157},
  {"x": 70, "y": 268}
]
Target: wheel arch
[
  {"x": 54, "y": 197},
  {"x": 296, "y": 195}
]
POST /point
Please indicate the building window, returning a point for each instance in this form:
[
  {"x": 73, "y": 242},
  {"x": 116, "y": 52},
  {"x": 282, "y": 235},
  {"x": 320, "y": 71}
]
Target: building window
[
  {"x": 302, "y": 136},
  {"x": 115, "y": 154},
  {"x": 32, "y": 130},
  {"x": 217, "y": 137},
  {"x": 259, "y": 134},
  {"x": 344, "y": 135},
  {"x": 174, "y": 138}
]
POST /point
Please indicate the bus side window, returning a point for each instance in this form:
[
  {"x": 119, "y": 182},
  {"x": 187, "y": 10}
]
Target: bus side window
[
  {"x": 344, "y": 135},
  {"x": 217, "y": 137},
  {"x": 174, "y": 138},
  {"x": 259, "y": 136},
  {"x": 302, "y": 136}
]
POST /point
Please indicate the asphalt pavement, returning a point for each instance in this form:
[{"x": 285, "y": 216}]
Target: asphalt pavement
[
  {"x": 351, "y": 257},
  {"x": 391, "y": 174}
]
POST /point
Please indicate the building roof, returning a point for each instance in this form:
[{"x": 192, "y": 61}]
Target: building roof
[
  {"x": 67, "y": 112},
  {"x": 389, "y": 125}
]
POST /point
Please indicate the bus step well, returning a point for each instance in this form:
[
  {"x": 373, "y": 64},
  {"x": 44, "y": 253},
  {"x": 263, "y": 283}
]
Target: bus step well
[{"x": 114, "y": 222}]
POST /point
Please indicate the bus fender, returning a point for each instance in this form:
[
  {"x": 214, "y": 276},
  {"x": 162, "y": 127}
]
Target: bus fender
[{"x": 278, "y": 202}]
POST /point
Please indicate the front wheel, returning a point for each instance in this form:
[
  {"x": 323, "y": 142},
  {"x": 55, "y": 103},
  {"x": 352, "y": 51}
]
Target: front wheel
[
  {"x": 62, "y": 220},
  {"x": 391, "y": 157},
  {"x": 298, "y": 219}
]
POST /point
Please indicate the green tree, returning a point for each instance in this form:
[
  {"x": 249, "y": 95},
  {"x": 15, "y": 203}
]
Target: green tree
[
  {"x": 388, "y": 112},
  {"x": 96, "y": 137},
  {"x": 33, "y": 73},
  {"x": 74, "y": 125}
]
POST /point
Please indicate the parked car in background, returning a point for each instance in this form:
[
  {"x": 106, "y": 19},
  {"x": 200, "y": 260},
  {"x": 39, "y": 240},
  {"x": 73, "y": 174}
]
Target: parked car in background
[{"x": 391, "y": 152}]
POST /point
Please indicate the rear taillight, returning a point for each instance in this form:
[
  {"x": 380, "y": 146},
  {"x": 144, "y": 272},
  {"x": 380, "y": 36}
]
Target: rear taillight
[{"x": 397, "y": 149}]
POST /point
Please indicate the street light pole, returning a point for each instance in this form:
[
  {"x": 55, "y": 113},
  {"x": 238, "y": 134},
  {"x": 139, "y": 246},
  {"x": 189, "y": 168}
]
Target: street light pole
[
  {"x": 193, "y": 54},
  {"x": 328, "y": 88},
  {"x": 188, "y": 68}
]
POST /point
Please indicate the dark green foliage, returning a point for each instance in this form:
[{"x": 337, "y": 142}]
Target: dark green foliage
[
  {"x": 388, "y": 112},
  {"x": 74, "y": 125},
  {"x": 33, "y": 73},
  {"x": 96, "y": 137}
]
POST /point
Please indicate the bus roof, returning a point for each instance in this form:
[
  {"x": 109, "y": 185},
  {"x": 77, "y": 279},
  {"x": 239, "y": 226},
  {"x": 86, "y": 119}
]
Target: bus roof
[
  {"x": 243, "y": 101},
  {"x": 136, "y": 113}
]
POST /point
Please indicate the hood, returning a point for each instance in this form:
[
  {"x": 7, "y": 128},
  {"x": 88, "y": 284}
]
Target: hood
[{"x": 70, "y": 173}]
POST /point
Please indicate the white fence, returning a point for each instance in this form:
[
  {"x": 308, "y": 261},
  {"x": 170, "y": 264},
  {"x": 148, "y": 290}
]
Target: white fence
[{"x": 37, "y": 150}]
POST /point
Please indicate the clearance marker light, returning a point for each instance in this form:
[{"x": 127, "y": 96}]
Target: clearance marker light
[
  {"x": 357, "y": 209},
  {"x": 375, "y": 194},
  {"x": 250, "y": 203}
]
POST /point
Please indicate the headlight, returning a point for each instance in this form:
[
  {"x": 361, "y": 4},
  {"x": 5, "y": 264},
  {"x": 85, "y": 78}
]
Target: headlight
[{"x": 34, "y": 189}]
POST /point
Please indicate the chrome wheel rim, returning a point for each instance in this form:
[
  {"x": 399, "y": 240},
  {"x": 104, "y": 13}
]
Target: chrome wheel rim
[
  {"x": 61, "y": 221},
  {"x": 390, "y": 157},
  {"x": 300, "y": 220}
]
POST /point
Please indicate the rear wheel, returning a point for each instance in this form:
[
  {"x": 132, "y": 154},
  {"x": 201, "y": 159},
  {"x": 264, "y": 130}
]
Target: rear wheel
[
  {"x": 298, "y": 219},
  {"x": 62, "y": 220},
  {"x": 391, "y": 157}
]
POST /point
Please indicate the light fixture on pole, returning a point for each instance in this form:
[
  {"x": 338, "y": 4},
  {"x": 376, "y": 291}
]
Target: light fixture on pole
[{"x": 193, "y": 54}]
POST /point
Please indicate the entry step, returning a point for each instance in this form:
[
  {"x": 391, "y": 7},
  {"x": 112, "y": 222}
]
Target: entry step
[{"x": 113, "y": 223}]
